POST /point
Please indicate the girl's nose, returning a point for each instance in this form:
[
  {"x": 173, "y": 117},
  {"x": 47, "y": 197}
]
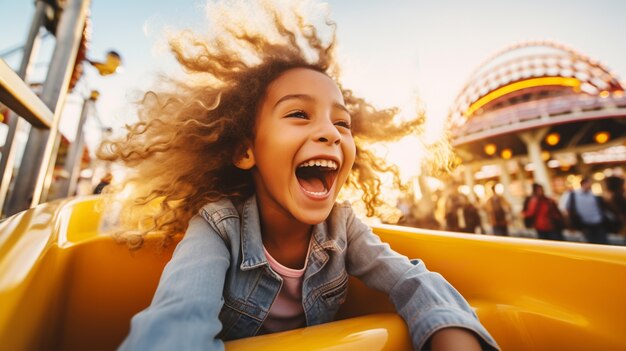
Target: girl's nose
[{"x": 328, "y": 134}]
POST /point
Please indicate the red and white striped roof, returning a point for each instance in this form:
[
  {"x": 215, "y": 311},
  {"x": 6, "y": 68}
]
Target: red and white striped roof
[{"x": 526, "y": 61}]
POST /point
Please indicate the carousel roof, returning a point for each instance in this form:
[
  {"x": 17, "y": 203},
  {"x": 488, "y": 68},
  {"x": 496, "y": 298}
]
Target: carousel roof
[{"x": 531, "y": 81}]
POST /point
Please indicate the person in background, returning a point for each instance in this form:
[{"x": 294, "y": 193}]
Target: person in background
[
  {"x": 498, "y": 209},
  {"x": 541, "y": 213},
  {"x": 452, "y": 209},
  {"x": 616, "y": 201},
  {"x": 586, "y": 213},
  {"x": 471, "y": 217},
  {"x": 462, "y": 215}
]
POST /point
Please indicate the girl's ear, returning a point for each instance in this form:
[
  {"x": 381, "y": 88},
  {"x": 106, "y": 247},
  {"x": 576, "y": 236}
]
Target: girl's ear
[{"x": 245, "y": 160}]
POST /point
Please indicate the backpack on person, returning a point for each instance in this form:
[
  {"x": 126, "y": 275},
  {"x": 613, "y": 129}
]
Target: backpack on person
[{"x": 574, "y": 220}]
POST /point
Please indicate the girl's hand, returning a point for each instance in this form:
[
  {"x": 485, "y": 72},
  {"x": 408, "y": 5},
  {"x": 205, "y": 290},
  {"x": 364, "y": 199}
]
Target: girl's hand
[{"x": 454, "y": 339}]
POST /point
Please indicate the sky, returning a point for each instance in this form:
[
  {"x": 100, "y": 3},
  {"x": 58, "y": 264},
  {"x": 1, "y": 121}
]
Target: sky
[{"x": 393, "y": 53}]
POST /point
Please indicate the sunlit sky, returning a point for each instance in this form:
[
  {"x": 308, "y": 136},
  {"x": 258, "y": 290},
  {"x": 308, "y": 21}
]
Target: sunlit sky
[{"x": 392, "y": 52}]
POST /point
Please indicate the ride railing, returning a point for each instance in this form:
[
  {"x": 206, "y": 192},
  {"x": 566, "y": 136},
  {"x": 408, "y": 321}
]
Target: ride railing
[
  {"x": 533, "y": 110},
  {"x": 43, "y": 113},
  {"x": 17, "y": 96}
]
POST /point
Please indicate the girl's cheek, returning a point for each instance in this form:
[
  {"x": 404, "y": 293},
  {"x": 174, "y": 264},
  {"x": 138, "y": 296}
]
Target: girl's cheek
[{"x": 352, "y": 152}]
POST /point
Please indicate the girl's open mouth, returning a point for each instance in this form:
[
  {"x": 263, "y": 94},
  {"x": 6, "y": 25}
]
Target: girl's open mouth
[{"x": 317, "y": 176}]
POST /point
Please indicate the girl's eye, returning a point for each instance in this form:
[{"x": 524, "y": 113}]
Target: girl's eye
[
  {"x": 343, "y": 124},
  {"x": 298, "y": 114}
]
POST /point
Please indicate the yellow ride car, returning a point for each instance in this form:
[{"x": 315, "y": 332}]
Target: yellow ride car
[{"x": 64, "y": 285}]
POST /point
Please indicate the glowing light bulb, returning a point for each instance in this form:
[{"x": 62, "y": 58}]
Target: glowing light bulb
[
  {"x": 602, "y": 137},
  {"x": 506, "y": 154},
  {"x": 553, "y": 138}
]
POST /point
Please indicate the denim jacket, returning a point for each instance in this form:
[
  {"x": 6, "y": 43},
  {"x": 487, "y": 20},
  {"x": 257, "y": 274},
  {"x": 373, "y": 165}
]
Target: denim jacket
[{"x": 219, "y": 286}]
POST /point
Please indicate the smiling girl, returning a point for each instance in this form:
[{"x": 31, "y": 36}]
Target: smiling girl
[{"x": 248, "y": 155}]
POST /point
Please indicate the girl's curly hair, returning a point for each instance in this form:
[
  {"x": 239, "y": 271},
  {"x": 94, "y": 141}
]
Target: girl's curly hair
[{"x": 180, "y": 153}]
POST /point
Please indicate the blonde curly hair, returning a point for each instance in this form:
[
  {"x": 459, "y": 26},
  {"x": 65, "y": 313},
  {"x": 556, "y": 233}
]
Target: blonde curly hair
[{"x": 181, "y": 150}]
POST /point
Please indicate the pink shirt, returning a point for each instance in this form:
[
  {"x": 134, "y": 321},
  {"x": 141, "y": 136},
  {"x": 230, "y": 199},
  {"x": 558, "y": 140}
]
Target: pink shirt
[{"x": 286, "y": 312}]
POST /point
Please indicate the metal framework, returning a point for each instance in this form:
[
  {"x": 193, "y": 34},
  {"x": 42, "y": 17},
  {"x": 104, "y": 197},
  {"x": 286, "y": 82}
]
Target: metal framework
[
  {"x": 43, "y": 114},
  {"x": 17, "y": 96}
]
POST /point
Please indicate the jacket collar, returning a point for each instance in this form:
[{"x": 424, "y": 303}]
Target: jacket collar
[{"x": 252, "y": 242}]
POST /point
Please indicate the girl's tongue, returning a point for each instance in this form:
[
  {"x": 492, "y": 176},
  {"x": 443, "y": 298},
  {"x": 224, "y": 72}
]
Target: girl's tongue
[
  {"x": 314, "y": 185},
  {"x": 315, "y": 179}
]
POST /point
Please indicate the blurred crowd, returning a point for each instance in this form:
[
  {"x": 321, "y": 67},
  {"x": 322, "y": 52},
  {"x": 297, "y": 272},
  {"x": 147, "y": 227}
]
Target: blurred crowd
[{"x": 579, "y": 213}]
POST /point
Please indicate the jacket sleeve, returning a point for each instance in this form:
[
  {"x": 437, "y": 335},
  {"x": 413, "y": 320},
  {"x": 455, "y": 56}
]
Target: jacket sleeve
[
  {"x": 184, "y": 311},
  {"x": 424, "y": 299}
]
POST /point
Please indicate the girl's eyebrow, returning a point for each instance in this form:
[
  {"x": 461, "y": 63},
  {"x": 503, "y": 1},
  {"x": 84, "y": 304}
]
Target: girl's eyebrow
[
  {"x": 308, "y": 98},
  {"x": 293, "y": 96},
  {"x": 341, "y": 107}
]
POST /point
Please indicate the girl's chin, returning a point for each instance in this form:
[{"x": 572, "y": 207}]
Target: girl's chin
[{"x": 313, "y": 217}]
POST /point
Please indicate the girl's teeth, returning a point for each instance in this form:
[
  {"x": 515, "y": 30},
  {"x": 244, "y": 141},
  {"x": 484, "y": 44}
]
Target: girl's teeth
[
  {"x": 316, "y": 193},
  {"x": 320, "y": 163}
]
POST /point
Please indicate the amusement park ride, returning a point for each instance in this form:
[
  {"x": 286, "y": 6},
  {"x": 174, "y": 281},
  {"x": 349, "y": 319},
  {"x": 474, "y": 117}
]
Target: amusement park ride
[
  {"x": 537, "y": 107},
  {"x": 64, "y": 284}
]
